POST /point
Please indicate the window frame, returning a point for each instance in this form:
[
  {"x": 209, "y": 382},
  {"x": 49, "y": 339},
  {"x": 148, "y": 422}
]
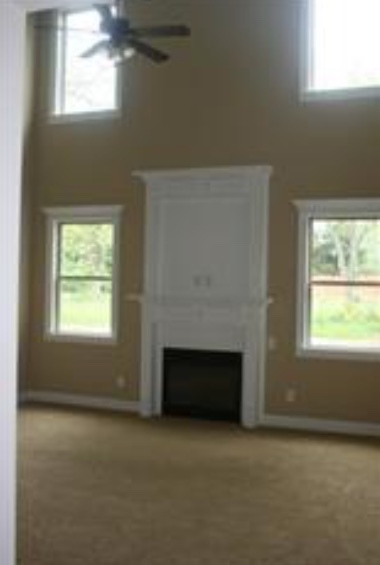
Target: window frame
[
  {"x": 57, "y": 83},
  {"x": 307, "y": 92},
  {"x": 55, "y": 217},
  {"x": 350, "y": 208}
]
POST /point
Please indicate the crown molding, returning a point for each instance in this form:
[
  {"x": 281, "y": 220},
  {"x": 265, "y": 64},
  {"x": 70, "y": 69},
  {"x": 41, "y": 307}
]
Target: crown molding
[{"x": 215, "y": 179}]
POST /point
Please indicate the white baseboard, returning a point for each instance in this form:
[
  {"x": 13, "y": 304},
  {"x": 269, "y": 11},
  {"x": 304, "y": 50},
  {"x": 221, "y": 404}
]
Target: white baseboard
[
  {"x": 79, "y": 400},
  {"x": 320, "y": 425},
  {"x": 267, "y": 421}
]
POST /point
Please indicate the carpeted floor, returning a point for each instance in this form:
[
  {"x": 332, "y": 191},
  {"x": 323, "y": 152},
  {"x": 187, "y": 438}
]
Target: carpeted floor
[{"x": 103, "y": 489}]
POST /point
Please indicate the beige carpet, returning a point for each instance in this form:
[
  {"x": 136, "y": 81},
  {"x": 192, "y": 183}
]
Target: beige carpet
[{"x": 102, "y": 489}]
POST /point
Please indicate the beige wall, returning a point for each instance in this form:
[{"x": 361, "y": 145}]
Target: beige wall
[{"x": 229, "y": 96}]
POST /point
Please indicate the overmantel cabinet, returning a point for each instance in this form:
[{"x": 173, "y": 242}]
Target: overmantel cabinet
[{"x": 205, "y": 272}]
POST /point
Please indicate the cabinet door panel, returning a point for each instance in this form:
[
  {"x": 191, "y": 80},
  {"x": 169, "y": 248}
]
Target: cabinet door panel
[{"x": 204, "y": 246}]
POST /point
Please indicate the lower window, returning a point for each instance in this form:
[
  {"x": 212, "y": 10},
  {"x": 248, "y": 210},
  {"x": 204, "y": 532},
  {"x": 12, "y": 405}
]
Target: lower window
[
  {"x": 82, "y": 273},
  {"x": 339, "y": 277}
]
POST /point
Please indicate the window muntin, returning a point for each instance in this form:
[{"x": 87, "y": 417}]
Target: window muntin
[
  {"x": 82, "y": 276},
  {"x": 343, "y": 45},
  {"x": 82, "y": 85}
]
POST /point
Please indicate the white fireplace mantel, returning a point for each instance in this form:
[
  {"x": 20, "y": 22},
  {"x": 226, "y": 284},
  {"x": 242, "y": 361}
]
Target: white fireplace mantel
[{"x": 205, "y": 284}]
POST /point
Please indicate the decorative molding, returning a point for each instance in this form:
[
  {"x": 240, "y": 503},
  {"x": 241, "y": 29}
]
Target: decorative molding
[
  {"x": 216, "y": 302},
  {"x": 339, "y": 207},
  {"x": 79, "y": 400},
  {"x": 321, "y": 425},
  {"x": 225, "y": 180},
  {"x": 217, "y": 298},
  {"x": 339, "y": 353},
  {"x": 84, "y": 212}
]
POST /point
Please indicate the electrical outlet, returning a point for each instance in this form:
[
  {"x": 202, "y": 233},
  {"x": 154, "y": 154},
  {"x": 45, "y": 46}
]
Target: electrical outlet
[
  {"x": 120, "y": 381},
  {"x": 290, "y": 395}
]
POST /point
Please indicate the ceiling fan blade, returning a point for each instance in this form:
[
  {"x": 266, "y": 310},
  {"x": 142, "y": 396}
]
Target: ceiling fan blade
[
  {"x": 105, "y": 13},
  {"x": 97, "y": 48},
  {"x": 147, "y": 50},
  {"x": 161, "y": 31}
]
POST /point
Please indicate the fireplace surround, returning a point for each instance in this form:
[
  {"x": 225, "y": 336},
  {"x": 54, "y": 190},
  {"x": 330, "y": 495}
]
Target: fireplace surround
[{"x": 205, "y": 280}]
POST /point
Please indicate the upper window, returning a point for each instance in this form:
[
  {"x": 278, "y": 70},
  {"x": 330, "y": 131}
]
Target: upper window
[
  {"x": 343, "y": 45},
  {"x": 339, "y": 277},
  {"x": 82, "y": 85},
  {"x": 82, "y": 273}
]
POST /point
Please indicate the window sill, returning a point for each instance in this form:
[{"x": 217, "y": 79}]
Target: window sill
[
  {"x": 342, "y": 354},
  {"x": 81, "y": 339},
  {"x": 55, "y": 119},
  {"x": 340, "y": 94}
]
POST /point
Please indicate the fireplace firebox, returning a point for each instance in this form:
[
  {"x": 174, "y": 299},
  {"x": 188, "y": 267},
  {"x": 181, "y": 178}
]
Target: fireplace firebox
[{"x": 203, "y": 384}]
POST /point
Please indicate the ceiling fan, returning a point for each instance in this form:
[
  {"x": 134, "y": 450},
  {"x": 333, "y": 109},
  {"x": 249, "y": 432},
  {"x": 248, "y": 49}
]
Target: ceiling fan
[{"x": 123, "y": 40}]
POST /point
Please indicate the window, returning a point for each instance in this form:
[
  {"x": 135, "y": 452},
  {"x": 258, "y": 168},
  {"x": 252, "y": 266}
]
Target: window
[
  {"x": 82, "y": 273},
  {"x": 82, "y": 85},
  {"x": 343, "y": 45},
  {"x": 339, "y": 277}
]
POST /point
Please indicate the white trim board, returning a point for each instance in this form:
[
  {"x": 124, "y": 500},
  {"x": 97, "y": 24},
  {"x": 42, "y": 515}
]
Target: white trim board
[
  {"x": 308, "y": 210},
  {"x": 82, "y": 215},
  {"x": 348, "y": 427},
  {"x": 79, "y": 400},
  {"x": 308, "y": 90}
]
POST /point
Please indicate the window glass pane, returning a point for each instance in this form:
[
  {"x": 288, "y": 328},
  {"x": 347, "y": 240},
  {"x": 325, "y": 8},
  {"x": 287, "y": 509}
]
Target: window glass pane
[
  {"x": 344, "y": 315},
  {"x": 346, "y": 44},
  {"x": 89, "y": 84},
  {"x": 86, "y": 250},
  {"x": 345, "y": 250},
  {"x": 85, "y": 307}
]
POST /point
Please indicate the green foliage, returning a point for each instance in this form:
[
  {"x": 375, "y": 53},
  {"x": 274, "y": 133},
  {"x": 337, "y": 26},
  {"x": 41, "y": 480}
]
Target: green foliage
[
  {"x": 86, "y": 307},
  {"x": 86, "y": 250},
  {"x": 343, "y": 320},
  {"x": 347, "y": 249}
]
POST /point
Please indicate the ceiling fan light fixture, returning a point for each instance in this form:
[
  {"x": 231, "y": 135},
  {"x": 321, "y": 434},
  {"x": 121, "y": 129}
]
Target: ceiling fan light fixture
[
  {"x": 121, "y": 40},
  {"x": 121, "y": 53},
  {"x": 128, "y": 53}
]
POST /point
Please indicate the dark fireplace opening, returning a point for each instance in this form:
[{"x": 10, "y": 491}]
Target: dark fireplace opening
[{"x": 203, "y": 384}]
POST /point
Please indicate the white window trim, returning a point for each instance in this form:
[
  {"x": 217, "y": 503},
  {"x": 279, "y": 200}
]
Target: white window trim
[
  {"x": 327, "y": 208},
  {"x": 306, "y": 92},
  {"x": 55, "y": 82},
  {"x": 83, "y": 214}
]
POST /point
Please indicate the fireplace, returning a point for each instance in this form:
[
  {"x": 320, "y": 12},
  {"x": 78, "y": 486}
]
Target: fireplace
[
  {"x": 205, "y": 299},
  {"x": 204, "y": 384}
]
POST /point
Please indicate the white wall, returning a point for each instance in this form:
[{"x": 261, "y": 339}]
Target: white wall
[
  {"x": 12, "y": 35},
  {"x": 12, "y": 38}
]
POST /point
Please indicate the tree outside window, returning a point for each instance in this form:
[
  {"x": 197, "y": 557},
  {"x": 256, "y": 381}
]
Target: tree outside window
[{"x": 345, "y": 281}]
